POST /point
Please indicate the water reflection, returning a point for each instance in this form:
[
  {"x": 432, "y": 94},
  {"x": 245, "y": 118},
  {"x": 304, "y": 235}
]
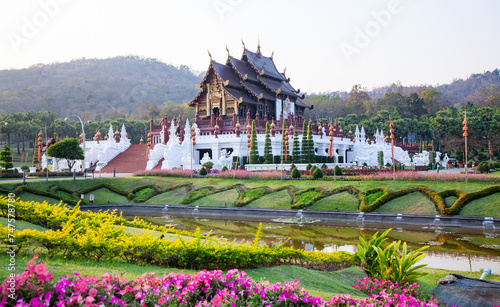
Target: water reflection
[{"x": 452, "y": 249}]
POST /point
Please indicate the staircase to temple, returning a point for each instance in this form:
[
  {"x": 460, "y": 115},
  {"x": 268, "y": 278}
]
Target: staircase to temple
[
  {"x": 158, "y": 166},
  {"x": 131, "y": 160}
]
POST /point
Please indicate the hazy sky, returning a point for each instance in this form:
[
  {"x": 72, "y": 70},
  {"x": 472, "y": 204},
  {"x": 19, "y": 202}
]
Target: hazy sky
[{"x": 324, "y": 45}]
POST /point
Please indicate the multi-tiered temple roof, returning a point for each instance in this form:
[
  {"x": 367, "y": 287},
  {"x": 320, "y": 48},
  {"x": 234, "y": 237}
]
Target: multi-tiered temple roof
[{"x": 248, "y": 87}]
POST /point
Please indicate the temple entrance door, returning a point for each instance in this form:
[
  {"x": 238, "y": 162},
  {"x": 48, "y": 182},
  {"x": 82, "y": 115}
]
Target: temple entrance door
[{"x": 216, "y": 112}]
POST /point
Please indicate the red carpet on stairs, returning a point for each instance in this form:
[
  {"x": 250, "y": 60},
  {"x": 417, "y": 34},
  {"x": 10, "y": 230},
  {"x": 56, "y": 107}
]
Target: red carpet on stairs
[{"x": 131, "y": 160}]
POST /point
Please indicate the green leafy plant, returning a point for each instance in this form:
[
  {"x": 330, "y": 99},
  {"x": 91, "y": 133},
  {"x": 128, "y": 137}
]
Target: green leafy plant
[
  {"x": 317, "y": 174},
  {"x": 203, "y": 171},
  {"x": 366, "y": 252},
  {"x": 295, "y": 173},
  {"x": 208, "y": 164},
  {"x": 6, "y": 159},
  {"x": 398, "y": 264},
  {"x": 338, "y": 170},
  {"x": 224, "y": 168},
  {"x": 394, "y": 262},
  {"x": 483, "y": 168}
]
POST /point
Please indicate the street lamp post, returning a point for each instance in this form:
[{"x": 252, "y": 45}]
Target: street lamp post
[{"x": 83, "y": 134}]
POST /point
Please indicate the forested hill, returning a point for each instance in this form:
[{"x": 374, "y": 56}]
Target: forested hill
[
  {"x": 113, "y": 87},
  {"x": 137, "y": 88},
  {"x": 458, "y": 91}
]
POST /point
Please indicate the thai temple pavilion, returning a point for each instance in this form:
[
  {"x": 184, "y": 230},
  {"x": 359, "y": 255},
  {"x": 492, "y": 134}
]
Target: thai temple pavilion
[
  {"x": 234, "y": 94},
  {"x": 251, "y": 86}
]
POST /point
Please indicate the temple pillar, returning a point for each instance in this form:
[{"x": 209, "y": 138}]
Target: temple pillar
[{"x": 215, "y": 146}]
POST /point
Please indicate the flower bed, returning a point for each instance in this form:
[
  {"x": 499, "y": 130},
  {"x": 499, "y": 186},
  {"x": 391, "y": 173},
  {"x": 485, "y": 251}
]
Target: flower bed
[
  {"x": 425, "y": 176},
  {"x": 34, "y": 287},
  {"x": 98, "y": 235}
]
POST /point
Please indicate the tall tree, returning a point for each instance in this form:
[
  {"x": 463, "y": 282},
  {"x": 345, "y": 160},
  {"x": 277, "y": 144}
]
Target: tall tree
[
  {"x": 303, "y": 149},
  {"x": 268, "y": 151},
  {"x": 357, "y": 100},
  {"x": 6, "y": 159},
  {"x": 68, "y": 149},
  {"x": 432, "y": 100},
  {"x": 310, "y": 144},
  {"x": 254, "y": 150},
  {"x": 414, "y": 106}
]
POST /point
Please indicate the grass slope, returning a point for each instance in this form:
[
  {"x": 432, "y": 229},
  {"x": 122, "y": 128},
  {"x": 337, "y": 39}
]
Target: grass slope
[
  {"x": 413, "y": 203},
  {"x": 416, "y": 202}
]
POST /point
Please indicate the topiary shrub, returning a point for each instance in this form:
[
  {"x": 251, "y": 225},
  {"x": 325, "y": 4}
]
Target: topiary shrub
[
  {"x": 324, "y": 166},
  {"x": 25, "y": 168},
  {"x": 312, "y": 169},
  {"x": 317, "y": 174},
  {"x": 483, "y": 168},
  {"x": 338, "y": 170},
  {"x": 308, "y": 167},
  {"x": 295, "y": 173},
  {"x": 208, "y": 164},
  {"x": 224, "y": 168},
  {"x": 203, "y": 171}
]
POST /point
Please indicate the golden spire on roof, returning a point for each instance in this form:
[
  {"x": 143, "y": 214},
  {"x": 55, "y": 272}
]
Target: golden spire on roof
[
  {"x": 243, "y": 44},
  {"x": 227, "y": 51},
  {"x": 209, "y": 54},
  {"x": 258, "y": 46}
]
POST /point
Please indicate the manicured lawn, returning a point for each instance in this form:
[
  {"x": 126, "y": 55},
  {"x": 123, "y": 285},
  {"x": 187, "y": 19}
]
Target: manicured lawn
[
  {"x": 218, "y": 199},
  {"x": 21, "y": 225},
  {"x": 342, "y": 201},
  {"x": 173, "y": 197},
  {"x": 277, "y": 200},
  {"x": 37, "y": 198},
  {"x": 105, "y": 196},
  {"x": 413, "y": 203},
  {"x": 487, "y": 206}
]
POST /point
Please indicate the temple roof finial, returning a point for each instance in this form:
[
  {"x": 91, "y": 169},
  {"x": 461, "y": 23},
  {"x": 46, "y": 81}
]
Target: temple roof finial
[
  {"x": 272, "y": 53},
  {"x": 209, "y": 54},
  {"x": 258, "y": 46},
  {"x": 227, "y": 51},
  {"x": 243, "y": 44}
]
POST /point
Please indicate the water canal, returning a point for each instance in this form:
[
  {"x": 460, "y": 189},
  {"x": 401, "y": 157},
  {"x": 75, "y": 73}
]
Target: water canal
[{"x": 455, "y": 249}]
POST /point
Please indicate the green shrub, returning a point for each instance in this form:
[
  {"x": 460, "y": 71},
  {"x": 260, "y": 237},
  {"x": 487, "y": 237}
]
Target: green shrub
[
  {"x": 144, "y": 194},
  {"x": 203, "y": 171},
  {"x": 483, "y": 168},
  {"x": 308, "y": 167},
  {"x": 25, "y": 168},
  {"x": 399, "y": 264},
  {"x": 224, "y": 168},
  {"x": 317, "y": 174},
  {"x": 338, "y": 170},
  {"x": 295, "y": 173},
  {"x": 324, "y": 166},
  {"x": 208, "y": 164},
  {"x": 366, "y": 252},
  {"x": 312, "y": 169}
]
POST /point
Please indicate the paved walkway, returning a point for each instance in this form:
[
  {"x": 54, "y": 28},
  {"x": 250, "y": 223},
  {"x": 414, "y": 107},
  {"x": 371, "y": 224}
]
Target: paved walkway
[{"x": 107, "y": 175}]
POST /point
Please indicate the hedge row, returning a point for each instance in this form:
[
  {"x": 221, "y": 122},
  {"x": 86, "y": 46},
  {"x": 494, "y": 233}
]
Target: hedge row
[
  {"x": 300, "y": 199},
  {"x": 94, "y": 236},
  {"x": 437, "y": 198}
]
